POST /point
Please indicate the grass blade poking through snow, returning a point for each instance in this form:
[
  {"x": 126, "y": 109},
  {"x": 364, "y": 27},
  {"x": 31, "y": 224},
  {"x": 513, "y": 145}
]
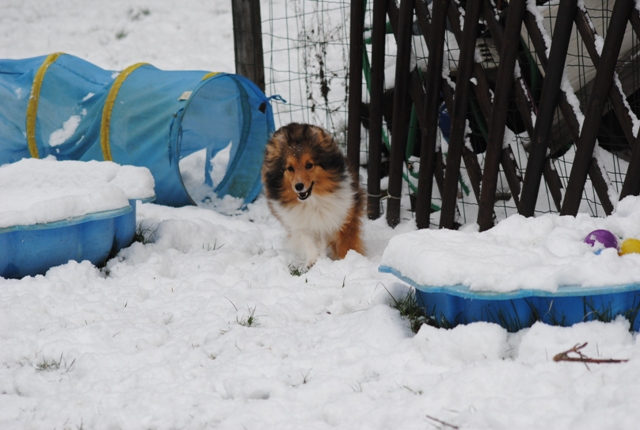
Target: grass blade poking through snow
[
  {"x": 144, "y": 235},
  {"x": 409, "y": 309},
  {"x": 249, "y": 320},
  {"x": 52, "y": 364}
]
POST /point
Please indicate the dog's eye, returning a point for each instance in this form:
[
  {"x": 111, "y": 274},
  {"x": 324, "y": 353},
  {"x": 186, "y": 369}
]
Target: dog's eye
[
  {"x": 308, "y": 166},
  {"x": 290, "y": 168}
]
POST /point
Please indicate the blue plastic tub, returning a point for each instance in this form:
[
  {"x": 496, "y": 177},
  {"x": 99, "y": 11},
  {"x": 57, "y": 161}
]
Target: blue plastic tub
[
  {"x": 449, "y": 306},
  {"x": 33, "y": 249}
]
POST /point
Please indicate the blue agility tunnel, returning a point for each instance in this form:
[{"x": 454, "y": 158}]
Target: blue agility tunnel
[{"x": 63, "y": 106}]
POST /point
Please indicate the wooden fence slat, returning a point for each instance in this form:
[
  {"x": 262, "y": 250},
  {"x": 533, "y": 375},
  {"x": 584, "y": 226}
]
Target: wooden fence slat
[
  {"x": 540, "y": 49},
  {"x": 548, "y": 101},
  {"x": 431, "y": 108},
  {"x": 424, "y": 20},
  {"x": 525, "y": 107},
  {"x": 616, "y": 96},
  {"x": 378, "y": 38},
  {"x": 459, "y": 114},
  {"x": 400, "y": 103},
  {"x": 482, "y": 92},
  {"x": 602, "y": 86},
  {"x": 356, "y": 51},
  {"x": 553, "y": 183},
  {"x": 474, "y": 171},
  {"x": 417, "y": 93},
  {"x": 569, "y": 116},
  {"x": 631, "y": 186},
  {"x": 509, "y": 165},
  {"x": 483, "y": 96},
  {"x": 448, "y": 96},
  {"x": 600, "y": 185},
  {"x": 481, "y": 88},
  {"x": 497, "y": 125},
  {"x": 512, "y": 173},
  {"x": 617, "y": 99}
]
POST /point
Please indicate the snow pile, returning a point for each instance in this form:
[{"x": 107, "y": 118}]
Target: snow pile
[
  {"x": 41, "y": 191},
  {"x": 540, "y": 253}
]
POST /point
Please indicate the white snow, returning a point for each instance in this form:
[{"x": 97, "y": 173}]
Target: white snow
[
  {"x": 69, "y": 127},
  {"x": 573, "y": 101},
  {"x": 634, "y": 119},
  {"x": 192, "y": 171},
  {"x": 205, "y": 326},
  {"x": 42, "y": 191}
]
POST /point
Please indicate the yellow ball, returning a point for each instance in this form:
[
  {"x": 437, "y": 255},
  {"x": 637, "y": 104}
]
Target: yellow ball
[{"x": 630, "y": 246}]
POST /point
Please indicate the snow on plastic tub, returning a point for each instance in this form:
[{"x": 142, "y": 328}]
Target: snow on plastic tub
[
  {"x": 450, "y": 306},
  {"x": 53, "y": 212},
  {"x": 523, "y": 270}
]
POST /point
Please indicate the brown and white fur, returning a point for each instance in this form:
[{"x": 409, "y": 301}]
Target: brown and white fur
[{"x": 313, "y": 192}]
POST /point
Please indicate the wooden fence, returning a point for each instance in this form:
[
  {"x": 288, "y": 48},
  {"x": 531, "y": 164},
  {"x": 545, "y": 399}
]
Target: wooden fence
[{"x": 493, "y": 93}]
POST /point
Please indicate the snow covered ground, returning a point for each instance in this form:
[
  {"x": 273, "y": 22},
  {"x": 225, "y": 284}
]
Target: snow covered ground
[{"x": 208, "y": 326}]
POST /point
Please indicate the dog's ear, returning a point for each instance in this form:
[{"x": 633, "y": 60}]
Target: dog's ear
[
  {"x": 273, "y": 167},
  {"x": 329, "y": 155},
  {"x": 331, "y": 161}
]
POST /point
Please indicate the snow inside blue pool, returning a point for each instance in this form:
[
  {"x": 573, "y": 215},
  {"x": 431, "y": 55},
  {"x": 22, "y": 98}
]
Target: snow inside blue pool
[
  {"x": 542, "y": 254},
  {"x": 44, "y": 191}
]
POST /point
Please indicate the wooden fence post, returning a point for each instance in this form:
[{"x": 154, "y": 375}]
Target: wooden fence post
[
  {"x": 247, "y": 40},
  {"x": 400, "y": 103},
  {"x": 431, "y": 105},
  {"x": 378, "y": 34},
  {"x": 356, "y": 50},
  {"x": 459, "y": 114}
]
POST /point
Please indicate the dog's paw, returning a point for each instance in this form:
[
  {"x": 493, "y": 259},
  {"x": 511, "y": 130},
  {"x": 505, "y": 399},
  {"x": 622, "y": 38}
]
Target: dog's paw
[{"x": 296, "y": 270}]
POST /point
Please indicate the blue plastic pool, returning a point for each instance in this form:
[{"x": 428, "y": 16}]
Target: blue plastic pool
[
  {"x": 448, "y": 306},
  {"x": 33, "y": 249}
]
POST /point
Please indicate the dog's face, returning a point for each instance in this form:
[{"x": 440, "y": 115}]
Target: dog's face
[
  {"x": 302, "y": 160},
  {"x": 302, "y": 174}
]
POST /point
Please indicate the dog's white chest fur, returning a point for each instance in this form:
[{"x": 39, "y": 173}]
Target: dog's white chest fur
[{"x": 313, "y": 223}]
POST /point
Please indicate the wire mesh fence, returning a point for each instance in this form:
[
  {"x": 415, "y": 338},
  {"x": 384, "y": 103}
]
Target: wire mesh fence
[{"x": 306, "y": 46}]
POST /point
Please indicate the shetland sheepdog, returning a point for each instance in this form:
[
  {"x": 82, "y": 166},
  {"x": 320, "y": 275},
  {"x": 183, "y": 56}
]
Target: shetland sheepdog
[{"x": 313, "y": 192}]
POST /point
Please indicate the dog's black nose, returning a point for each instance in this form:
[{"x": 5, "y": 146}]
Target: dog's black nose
[{"x": 299, "y": 186}]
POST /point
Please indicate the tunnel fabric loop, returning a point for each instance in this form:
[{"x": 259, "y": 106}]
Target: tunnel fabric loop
[
  {"x": 108, "y": 107},
  {"x": 32, "y": 107}
]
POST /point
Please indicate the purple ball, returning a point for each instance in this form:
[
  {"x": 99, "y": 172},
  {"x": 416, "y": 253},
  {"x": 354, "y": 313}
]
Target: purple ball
[{"x": 604, "y": 237}]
